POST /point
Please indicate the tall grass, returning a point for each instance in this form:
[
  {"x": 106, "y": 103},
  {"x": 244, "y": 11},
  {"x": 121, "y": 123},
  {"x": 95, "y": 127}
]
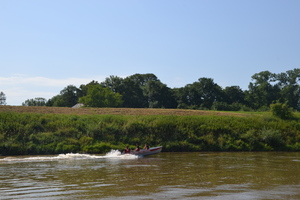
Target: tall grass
[{"x": 29, "y": 133}]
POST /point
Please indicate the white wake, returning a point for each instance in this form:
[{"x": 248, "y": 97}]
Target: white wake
[{"x": 113, "y": 154}]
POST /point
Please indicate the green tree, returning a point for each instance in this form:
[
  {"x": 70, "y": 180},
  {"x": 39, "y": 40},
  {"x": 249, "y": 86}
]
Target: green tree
[
  {"x": 290, "y": 88},
  {"x": 200, "y": 94},
  {"x": 68, "y": 97},
  {"x": 98, "y": 96},
  {"x": 55, "y": 101},
  {"x": 234, "y": 94},
  {"x": 134, "y": 90},
  {"x": 83, "y": 89},
  {"x": 115, "y": 83},
  {"x": 38, "y": 101},
  {"x": 132, "y": 93},
  {"x": 188, "y": 96},
  {"x": 210, "y": 92},
  {"x": 142, "y": 79},
  {"x": 2, "y": 99},
  {"x": 159, "y": 95},
  {"x": 281, "y": 110},
  {"x": 263, "y": 90}
]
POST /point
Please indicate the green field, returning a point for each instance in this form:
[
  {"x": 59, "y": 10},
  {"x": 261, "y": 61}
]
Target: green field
[{"x": 39, "y": 132}]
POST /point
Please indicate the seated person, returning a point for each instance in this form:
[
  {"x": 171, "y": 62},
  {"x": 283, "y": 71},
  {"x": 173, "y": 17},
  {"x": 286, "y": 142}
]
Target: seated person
[
  {"x": 127, "y": 150},
  {"x": 137, "y": 148},
  {"x": 146, "y": 147}
]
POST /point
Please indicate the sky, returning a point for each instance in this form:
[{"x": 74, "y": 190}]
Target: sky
[{"x": 47, "y": 45}]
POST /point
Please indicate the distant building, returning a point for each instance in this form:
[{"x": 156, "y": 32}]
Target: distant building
[{"x": 79, "y": 105}]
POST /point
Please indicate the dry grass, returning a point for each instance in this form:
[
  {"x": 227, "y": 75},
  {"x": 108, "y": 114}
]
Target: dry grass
[{"x": 112, "y": 111}]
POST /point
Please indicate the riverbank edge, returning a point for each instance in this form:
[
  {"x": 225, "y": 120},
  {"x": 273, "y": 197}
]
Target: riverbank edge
[{"x": 46, "y": 133}]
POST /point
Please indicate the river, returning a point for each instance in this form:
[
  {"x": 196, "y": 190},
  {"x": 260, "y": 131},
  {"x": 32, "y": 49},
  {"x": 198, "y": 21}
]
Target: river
[{"x": 226, "y": 176}]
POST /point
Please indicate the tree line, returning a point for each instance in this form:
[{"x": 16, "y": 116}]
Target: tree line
[{"x": 147, "y": 91}]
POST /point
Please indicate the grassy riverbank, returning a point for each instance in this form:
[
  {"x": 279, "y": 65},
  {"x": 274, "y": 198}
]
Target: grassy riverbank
[{"x": 63, "y": 130}]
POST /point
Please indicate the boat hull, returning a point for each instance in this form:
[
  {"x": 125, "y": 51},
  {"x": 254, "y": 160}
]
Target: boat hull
[{"x": 147, "y": 152}]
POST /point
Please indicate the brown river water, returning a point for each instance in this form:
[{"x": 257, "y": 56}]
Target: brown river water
[{"x": 226, "y": 176}]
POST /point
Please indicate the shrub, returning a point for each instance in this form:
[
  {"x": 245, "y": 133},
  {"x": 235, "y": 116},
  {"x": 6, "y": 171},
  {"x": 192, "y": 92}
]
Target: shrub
[
  {"x": 273, "y": 138},
  {"x": 281, "y": 110}
]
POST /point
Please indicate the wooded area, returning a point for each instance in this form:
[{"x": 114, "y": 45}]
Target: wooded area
[{"x": 147, "y": 91}]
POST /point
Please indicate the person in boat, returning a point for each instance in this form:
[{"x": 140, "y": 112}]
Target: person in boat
[
  {"x": 127, "y": 150},
  {"x": 137, "y": 148},
  {"x": 146, "y": 147}
]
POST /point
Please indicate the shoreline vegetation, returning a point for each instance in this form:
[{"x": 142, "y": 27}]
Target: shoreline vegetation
[{"x": 26, "y": 130}]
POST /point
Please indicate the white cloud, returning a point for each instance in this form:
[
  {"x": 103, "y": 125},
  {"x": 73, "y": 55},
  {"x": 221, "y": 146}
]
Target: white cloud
[
  {"x": 43, "y": 81},
  {"x": 19, "y": 88}
]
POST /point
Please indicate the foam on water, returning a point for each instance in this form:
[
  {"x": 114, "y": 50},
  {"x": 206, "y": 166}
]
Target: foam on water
[
  {"x": 117, "y": 154},
  {"x": 113, "y": 154}
]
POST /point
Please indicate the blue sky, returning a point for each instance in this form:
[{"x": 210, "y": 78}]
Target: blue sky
[{"x": 48, "y": 45}]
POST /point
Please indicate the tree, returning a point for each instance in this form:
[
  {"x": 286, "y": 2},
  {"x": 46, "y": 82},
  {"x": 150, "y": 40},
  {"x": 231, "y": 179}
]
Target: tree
[
  {"x": 132, "y": 93},
  {"x": 188, "y": 96},
  {"x": 2, "y": 99},
  {"x": 201, "y": 94},
  {"x": 115, "y": 83},
  {"x": 210, "y": 92},
  {"x": 263, "y": 90},
  {"x": 133, "y": 90},
  {"x": 290, "y": 88},
  {"x": 142, "y": 79},
  {"x": 98, "y": 96},
  {"x": 84, "y": 88},
  {"x": 234, "y": 94},
  {"x": 68, "y": 97},
  {"x": 159, "y": 95},
  {"x": 55, "y": 101},
  {"x": 38, "y": 101}
]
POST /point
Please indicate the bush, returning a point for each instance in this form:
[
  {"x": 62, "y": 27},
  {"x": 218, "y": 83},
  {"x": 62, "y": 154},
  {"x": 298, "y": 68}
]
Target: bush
[
  {"x": 281, "y": 110},
  {"x": 273, "y": 138}
]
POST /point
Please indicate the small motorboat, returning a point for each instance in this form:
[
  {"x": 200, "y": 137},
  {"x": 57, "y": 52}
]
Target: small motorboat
[{"x": 146, "y": 152}]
